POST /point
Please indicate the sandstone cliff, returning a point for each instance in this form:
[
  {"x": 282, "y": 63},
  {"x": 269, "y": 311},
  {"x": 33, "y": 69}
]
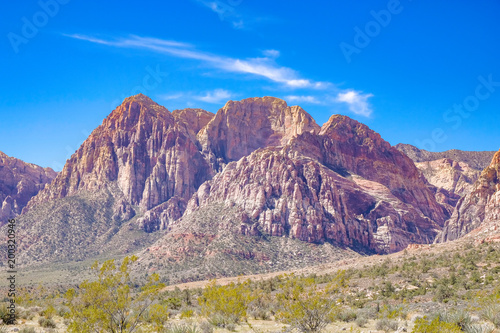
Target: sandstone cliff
[
  {"x": 480, "y": 208},
  {"x": 19, "y": 182},
  {"x": 342, "y": 184},
  {"x": 241, "y": 127},
  {"x": 143, "y": 149},
  {"x": 145, "y": 172}
]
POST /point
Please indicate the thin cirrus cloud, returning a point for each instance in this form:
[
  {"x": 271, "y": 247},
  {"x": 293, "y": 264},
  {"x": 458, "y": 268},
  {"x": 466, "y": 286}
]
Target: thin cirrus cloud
[
  {"x": 216, "y": 96},
  {"x": 263, "y": 67},
  {"x": 225, "y": 11},
  {"x": 302, "y": 99}
]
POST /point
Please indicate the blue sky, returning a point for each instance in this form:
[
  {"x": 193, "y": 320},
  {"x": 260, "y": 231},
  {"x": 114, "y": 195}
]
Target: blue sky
[{"x": 420, "y": 72}]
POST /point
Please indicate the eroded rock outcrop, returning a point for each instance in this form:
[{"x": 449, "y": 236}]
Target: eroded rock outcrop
[
  {"x": 241, "y": 127},
  {"x": 19, "y": 182},
  {"x": 343, "y": 184},
  {"x": 480, "y": 208},
  {"x": 150, "y": 154}
]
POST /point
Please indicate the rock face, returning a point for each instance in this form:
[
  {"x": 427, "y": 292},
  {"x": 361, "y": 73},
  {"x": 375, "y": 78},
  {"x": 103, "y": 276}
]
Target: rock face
[
  {"x": 452, "y": 176},
  {"x": 148, "y": 152},
  {"x": 19, "y": 182},
  {"x": 241, "y": 127},
  {"x": 342, "y": 184},
  {"x": 278, "y": 174},
  {"x": 480, "y": 208},
  {"x": 452, "y": 173}
]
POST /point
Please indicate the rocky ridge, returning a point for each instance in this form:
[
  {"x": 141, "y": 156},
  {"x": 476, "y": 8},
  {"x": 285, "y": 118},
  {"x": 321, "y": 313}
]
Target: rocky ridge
[
  {"x": 480, "y": 209},
  {"x": 270, "y": 163},
  {"x": 19, "y": 182}
]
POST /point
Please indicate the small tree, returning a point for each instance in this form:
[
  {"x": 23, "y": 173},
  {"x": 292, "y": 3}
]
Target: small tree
[
  {"x": 109, "y": 303},
  {"x": 229, "y": 303},
  {"x": 305, "y": 306}
]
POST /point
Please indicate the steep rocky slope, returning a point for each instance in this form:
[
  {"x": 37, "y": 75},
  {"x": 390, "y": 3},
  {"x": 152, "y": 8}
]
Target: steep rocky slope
[
  {"x": 19, "y": 182},
  {"x": 241, "y": 127},
  {"x": 268, "y": 168},
  {"x": 452, "y": 173},
  {"x": 480, "y": 208},
  {"x": 142, "y": 161},
  {"x": 344, "y": 185}
]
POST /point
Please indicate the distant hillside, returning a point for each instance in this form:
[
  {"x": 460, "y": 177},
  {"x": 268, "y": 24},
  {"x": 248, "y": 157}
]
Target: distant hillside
[{"x": 478, "y": 160}]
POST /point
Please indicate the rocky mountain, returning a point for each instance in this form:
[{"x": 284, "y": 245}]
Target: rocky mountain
[
  {"x": 19, "y": 182},
  {"x": 480, "y": 209},
  {"x": 477, "y": 160},
  {"x": 342, "y": 184},
  {"x": 141, "y": 163},
  {"x": 267, "y": 169},
  {"x": 452, "y": 173},
  {"x": 241, "y": 127}
]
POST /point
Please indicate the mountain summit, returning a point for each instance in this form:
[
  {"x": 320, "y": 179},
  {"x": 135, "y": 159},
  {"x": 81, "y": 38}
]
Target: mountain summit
[{"x": 147, "y": 175}]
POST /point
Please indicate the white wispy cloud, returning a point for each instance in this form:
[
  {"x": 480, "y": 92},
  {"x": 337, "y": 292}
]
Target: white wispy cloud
[
  {"x": 264, "y": 67},
  {"x": 226, "y": 10},
  {"x": 271, "y": 53},
  {"x": 302, "y": 99},
  {"x": 356, "y": 101},
  {"x": 216, "y": 96},
  {"x": 171, "y": 96}
]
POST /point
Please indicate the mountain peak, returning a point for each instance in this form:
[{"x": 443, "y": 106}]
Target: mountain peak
[
  {"x": 139, "y": 98},
  {"x": 241, "y": 127}
]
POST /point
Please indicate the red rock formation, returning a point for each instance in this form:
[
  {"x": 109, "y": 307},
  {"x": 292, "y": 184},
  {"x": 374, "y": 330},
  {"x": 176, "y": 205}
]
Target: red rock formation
[
  {"x": 480, "y": 208},
  {"x": 345, "y": 185},
  {"x": 270, "y": 163},
  {"x": 19, "y": 182},
  {"x": 143, "y": 149},
  {"x": 241, "y": 127}
]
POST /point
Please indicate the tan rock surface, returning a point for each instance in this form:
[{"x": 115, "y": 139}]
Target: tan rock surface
[{"x": 479, "y": 209}]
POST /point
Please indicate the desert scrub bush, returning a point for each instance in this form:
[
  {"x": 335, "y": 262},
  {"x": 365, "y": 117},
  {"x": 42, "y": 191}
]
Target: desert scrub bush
[
  {"x": 229, "y": 302},
  {"x": 27, "y": 330},
  {"x": 5, "y": 315},
  {"x": 346, "y": 315},
  {"x": 424, "y": 325},
  {"x": 305, "y": 306},
  {"x": 49, "y": 312},
  {"x": 206, "y": 327},
  {"x": 182, "y": 328},
  {"x": 186, "y": 313},
  {"x": 491, "y": 313},
  {"x": 386, "y": 325},
  {"x": 361, "y": 321},
  {"x": 46, "y": 322},
  {"x": 110, "y": 304},
  {"x": 392, "y": 312},
  {"x": 261, "y": 305},
  {"x": 156, "y": 316}
]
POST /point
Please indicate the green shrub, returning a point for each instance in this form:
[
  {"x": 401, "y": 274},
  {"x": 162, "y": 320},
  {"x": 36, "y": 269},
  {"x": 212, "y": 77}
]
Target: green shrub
[
  {"x": 306, "y": 307},
  {"x": 186, "y": 313},
  {"x": 423, "y": 325},
  {"x": 182, "y": 328},
  {"x": 229, "y": 301},
  {"x": 346, "y": 315},
  {"x": 46, "y": 322}
]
